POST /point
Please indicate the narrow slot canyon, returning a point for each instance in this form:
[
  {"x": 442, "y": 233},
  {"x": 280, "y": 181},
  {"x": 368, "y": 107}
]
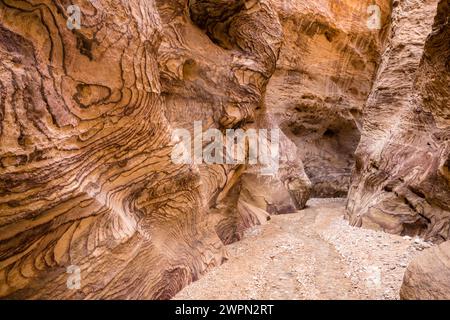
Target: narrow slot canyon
[{"x": 224, "y": 149}]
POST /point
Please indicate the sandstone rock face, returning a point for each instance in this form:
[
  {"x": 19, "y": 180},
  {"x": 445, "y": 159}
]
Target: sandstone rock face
[
  {"x": 401, "y": 181},
  {"x": 86, "y": 178},
  {"x": 87, "y": 182},
  {"x": 216, "y": 59},
  {"x": 327, "y": 64},
  {"x": 428, "y": 276}
]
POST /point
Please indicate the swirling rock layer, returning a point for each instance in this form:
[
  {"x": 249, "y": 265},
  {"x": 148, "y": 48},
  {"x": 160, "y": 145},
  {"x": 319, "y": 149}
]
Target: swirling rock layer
[
  {"x": 401, "y": 181},
  {"x": 325, "y": 72},
  {"x": 214, "y": 68},
  {"x": 86, "y": 117},
  {"x": 86, "y": 177},
  {"x": 428, "y": 276}
]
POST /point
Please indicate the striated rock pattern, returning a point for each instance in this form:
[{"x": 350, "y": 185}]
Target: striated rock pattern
[
  {"x": 216, "y": 59},
  {"x": 401, "y": 179},
  {"x": 86, "y": 177},
  {"x": 86, "y": 120},
  {"x": 428, "y": 276},
  {"x": 327, "y": 64},
  {"x": 88, "y": 185}
]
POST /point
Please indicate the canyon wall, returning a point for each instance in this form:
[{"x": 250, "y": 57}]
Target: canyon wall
[
  {"x": 401, "y": 177},
  {"x": 401, "y": 180},
  {"x": 324, "y": 75},
  {"x": 216, "y": 59},
  {"x": 86, "y": 177},
  {"x": 88, "y": 184}
]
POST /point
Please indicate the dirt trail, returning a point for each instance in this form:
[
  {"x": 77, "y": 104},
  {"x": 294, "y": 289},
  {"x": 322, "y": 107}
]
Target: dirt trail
[{"x": 311, "y": 254}]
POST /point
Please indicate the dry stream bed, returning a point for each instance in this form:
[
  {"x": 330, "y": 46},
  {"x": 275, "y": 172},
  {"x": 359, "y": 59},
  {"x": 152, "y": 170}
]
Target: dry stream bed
[{"x": 310, "y": 254}]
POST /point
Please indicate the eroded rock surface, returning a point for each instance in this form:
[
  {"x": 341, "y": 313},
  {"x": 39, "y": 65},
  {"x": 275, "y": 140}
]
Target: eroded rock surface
[
  {"x": 312, "y": 254},
  {"x": 216, "y": 60},
  {"x": 86, "y": 177},
  {"x": 401, "y": 180},
  {"x": 327, "y": 64},
  {"x": 87, "y": 118},
  {"x": 86, "y": 122},
  {"x": 428, "y": 275}
]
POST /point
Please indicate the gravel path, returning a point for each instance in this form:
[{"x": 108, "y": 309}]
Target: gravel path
[{"x": 311, "y": 254}]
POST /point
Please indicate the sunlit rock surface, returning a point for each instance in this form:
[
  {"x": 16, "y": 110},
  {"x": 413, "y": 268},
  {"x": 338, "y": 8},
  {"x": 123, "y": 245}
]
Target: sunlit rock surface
[
  {"x": 89, "y": 189},
  {"x": 327, "y": 64},
  {"x": 401, "y": 181}
]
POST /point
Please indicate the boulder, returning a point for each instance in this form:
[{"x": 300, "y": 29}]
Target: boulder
[{"x": 428, "y": 275}]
